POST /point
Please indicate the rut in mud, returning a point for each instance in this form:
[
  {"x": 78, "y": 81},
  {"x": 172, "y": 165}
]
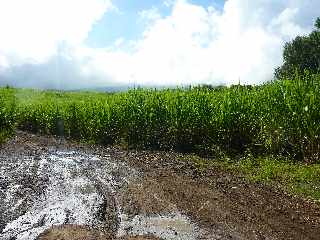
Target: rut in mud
[
  {"x": 52, "y": 189},
  {"x": 56, "y": 189},
  {"x": 73, "y": 188}
]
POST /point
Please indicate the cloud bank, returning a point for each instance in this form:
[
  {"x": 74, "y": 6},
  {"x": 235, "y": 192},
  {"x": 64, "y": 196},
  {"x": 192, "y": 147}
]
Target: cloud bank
[{"x": 42, "y": 43}]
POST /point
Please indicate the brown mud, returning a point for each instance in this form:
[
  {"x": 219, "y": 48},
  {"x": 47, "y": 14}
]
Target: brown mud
[{"x": 163, "y": 197}]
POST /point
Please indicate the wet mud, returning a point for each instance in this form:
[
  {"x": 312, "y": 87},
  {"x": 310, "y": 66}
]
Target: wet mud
[
  {"x": 47, "y": 188},
  {"x": 51, "y": 188}
]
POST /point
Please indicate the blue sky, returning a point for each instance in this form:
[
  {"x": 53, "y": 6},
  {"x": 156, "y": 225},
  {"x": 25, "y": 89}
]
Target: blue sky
[{"x": 125, "y": 22}]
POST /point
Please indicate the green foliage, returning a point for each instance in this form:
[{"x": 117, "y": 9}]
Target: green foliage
[
  {"x": 317, "y": 24},
  {"x": 7, "y": 113},
  {"x": 295, "y": 178},
  {"x": 276, "y": 118},
  {"x": 301, "y": 54}
]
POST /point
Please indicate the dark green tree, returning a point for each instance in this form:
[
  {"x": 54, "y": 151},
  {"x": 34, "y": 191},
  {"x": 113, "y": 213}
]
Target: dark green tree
[
  {"x": 317, "y": 24},
  {"x": 301, "y": 54}
]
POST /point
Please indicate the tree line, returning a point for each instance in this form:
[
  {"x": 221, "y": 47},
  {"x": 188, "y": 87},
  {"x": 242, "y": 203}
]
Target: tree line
[{"x": 301, "y": 54}]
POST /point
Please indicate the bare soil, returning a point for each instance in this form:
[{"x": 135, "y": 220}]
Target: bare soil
[
  {"x": 221, "y": 204},
  {"x": 83, "y": 233}
]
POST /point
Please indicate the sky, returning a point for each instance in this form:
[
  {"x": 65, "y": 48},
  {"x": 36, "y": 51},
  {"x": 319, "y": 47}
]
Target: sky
[{"x": 73, "y": 44}]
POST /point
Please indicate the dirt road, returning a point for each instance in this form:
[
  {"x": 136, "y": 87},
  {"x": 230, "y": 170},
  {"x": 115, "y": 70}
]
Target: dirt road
[{"x": 56, "y": 189}]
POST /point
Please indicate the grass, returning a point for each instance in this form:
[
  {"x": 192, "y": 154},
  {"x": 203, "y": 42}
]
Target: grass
[{"x": 295, "y": 178}]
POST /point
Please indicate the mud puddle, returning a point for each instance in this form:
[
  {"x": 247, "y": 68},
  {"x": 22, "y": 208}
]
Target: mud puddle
[
  {"x": 171, "y": 227},
  {"x": 71, "y": 188}
]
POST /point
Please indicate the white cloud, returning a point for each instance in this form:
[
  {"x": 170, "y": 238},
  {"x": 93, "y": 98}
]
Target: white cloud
[
  {"x": 192, "y": 45},
  {"x": 32, "y": 30},
  {"x": 152, "y": 14},
  {"x": 197, "y": 45}
]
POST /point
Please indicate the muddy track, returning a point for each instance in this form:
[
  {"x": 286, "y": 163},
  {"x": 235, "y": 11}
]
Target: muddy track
[
  {"x": 57, "y": 188},
  {"x": 47, "y": 184},
  {"x": 51, "y": 188}
]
